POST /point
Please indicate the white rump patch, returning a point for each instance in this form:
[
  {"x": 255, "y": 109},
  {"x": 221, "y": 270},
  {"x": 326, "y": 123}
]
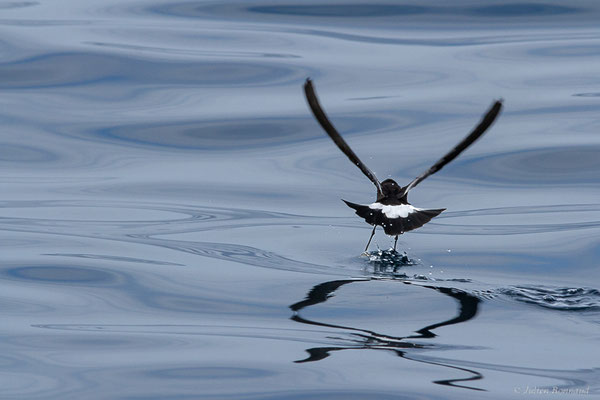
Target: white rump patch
[{"x": 400, "y": 211}]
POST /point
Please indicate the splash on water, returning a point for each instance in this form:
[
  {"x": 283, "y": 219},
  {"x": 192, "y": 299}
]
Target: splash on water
[{"x": 389, "y": 262}]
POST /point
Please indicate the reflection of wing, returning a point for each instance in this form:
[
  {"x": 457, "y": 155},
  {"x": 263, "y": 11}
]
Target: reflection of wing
[
  {"x": 469, "y": 305},
  {"x": 485, "y": 123},
  {"x": 319, "y": 114},
  {"x": 318, "y": 354},
  {"x": 320, "y": 294},
  {"x": 446, "y": 382}
]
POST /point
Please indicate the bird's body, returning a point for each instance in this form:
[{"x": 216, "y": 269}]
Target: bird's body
[{"x": 391, "y": 210}]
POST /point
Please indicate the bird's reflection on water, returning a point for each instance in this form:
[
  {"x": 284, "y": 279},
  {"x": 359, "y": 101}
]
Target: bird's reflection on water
[{"x": 364, "y": 339}]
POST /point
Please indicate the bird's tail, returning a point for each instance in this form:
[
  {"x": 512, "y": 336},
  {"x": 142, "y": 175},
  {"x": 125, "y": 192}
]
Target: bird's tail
[{"x": 398, "y": 225}]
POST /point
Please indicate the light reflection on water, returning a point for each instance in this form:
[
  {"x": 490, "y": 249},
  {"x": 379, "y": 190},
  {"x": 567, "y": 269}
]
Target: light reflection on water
[{"x": 171, "y": 223}]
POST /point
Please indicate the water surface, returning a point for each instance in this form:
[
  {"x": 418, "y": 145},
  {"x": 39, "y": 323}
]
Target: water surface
[{"x": 171, "y": 223}]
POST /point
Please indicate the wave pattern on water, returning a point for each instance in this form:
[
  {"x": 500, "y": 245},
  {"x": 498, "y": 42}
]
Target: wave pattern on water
[
  {"x": 86, "y": 69},
  {"x": 556, "y": 298},
  {"x": 152, "y": 224},
  {"x": 384, "y": 12},
  {"x": 167, "y": 222},
  {"x": 553, "y": 166}
]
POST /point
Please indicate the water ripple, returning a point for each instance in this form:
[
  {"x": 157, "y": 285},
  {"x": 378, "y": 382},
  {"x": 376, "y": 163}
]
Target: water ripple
[
  {"x": 222, "y": 135},
  {"x": 573, "y": 165},
  {"x": 62, "y": 275},
  {"x": 556, "y": 298},
  {"x": 14, "y": 154},
  {"x": 523, "y": 10},
  {"x": 114, "y": 258},
  {"x": 194, "y": 52},
  {"x": 569, "y": 213},
  {"x": 371, "y": 13},
  {"x": 11, "y": 5},
  {"x": 386, "y": 10},
  {"x": 237, "y": 134},
  {"x": 75, "y": 69},
  {"x": 341, "y": 10},
  {"x": 152, "y": 224},
  {"x": 206, "y": 373}
]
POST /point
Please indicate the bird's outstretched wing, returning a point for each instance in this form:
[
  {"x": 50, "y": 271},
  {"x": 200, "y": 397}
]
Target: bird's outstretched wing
[
  {"x": 313, "y": 102},
  {"x": 485, "y": 123}
]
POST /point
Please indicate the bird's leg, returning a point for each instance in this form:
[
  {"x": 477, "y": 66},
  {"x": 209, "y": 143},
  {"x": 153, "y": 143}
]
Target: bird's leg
[
  {"x": 395, "y": 242},
  {"x": 369, "y": 242}
]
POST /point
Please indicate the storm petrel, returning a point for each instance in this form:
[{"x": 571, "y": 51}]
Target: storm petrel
[{"x": 391, "y": 210}]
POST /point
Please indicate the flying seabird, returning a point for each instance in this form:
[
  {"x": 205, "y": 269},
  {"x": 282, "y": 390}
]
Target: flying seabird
[{"x": 391, "y": 210}]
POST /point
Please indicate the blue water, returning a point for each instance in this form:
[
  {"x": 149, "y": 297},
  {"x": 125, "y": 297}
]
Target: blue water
[{"x": 170, "y": 215}]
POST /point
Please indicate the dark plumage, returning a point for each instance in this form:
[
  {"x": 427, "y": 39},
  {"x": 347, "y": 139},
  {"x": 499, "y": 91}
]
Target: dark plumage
[{"x": 391, "y": 210}]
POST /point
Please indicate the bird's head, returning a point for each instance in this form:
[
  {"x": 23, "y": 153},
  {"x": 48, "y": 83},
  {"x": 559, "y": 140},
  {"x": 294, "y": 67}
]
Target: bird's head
[{"x": 391, "y": 189}]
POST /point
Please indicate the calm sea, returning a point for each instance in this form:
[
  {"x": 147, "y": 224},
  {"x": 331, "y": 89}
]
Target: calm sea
[{"x": 170, "y": 216}]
